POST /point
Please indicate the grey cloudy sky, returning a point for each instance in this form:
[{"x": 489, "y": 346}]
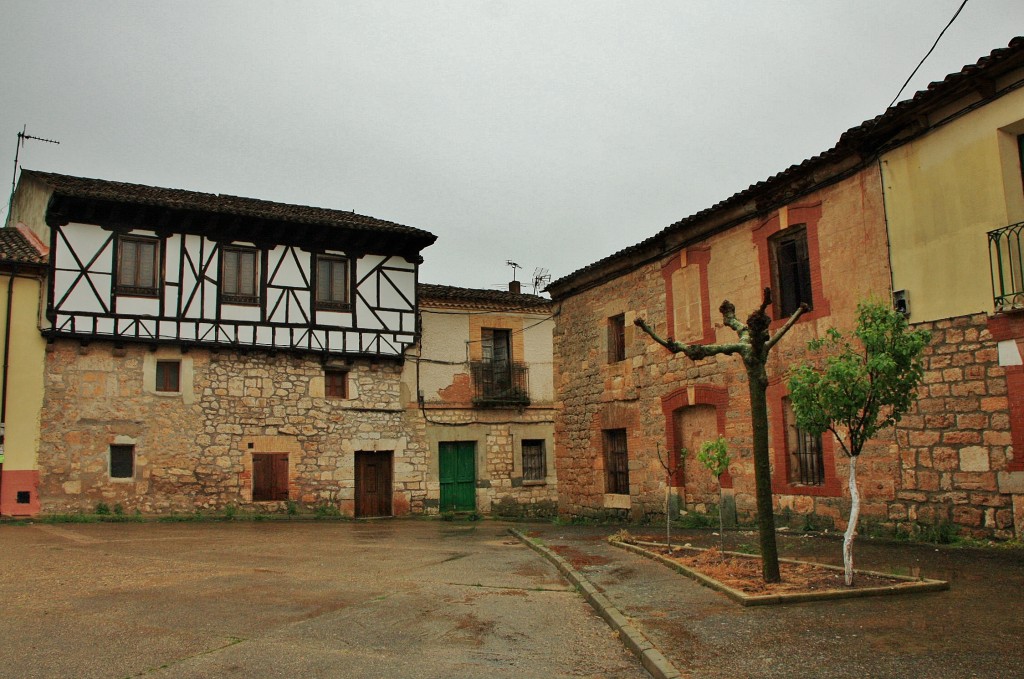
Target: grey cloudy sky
[{"x": 548, "y": 133}]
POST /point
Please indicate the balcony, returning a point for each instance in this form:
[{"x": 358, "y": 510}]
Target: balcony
[
  {"x": 497, "y": 385},
  {"x": 1005, "y": 255}
]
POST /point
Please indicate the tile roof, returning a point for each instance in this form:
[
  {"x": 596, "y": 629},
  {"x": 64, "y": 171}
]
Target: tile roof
[
  {"x": 15, "y": 248},
  {"x": 122, "y": 192},
  {"x": 448, "y": 295},
  {"x": 868, "y": 138}
]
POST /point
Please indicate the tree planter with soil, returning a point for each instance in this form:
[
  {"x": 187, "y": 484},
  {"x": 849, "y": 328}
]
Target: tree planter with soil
[{"x": 738, "y": 576}]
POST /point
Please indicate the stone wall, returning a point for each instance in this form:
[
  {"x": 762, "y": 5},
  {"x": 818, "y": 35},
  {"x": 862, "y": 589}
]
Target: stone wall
[
  {"x": 947, "y": 462},
  {"x": 498, "y": 437},
  {"x": 194, "y": 448}
]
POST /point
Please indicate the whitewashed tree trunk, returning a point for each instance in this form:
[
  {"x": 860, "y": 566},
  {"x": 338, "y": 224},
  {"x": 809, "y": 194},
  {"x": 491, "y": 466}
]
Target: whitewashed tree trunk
[
  {"x": 851, "y": 526},
  {"x": 721, "y": 520},
  {"x": 668, "y": 517}
]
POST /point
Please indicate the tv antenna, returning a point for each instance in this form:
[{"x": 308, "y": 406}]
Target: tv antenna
[
  {"x": 22, "y": 136},
  {"x": 514, "y": 266},
  {"x": 541, "y": 277}
]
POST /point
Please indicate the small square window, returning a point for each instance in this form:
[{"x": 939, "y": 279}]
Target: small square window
[
  {"x": 239, "y": 276},
  {"x": 122, "y": 462},
  {"x": 23, "y": 497},
  {"x": 617, "y": 338},
  {"x": 332, "y": 283},
  {"x": 533, "y": 460},
  {"x": 168, "y": 376},
  {"x": 336, "y": 383},
  {"x": 138, "y": 266}
]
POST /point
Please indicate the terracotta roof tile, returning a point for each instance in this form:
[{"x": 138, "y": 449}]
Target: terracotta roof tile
[
  {"x": 100, "y": 189},
  {"x": 448, "y": 295},
  {"x": 14, "y": 247}
]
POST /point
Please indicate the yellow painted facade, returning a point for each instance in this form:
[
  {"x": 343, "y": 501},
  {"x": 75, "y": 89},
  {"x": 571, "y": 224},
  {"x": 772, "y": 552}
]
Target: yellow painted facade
[
  {"x": 944, "y": 191},
  {"x": 24, "y": 397}
]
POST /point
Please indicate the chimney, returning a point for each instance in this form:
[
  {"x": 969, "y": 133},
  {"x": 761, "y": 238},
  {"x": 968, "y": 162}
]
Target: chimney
[{"x": 513, "y": 287}]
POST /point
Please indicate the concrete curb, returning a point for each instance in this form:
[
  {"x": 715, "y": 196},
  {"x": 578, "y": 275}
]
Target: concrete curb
[
  {"x": 632, "y": 638},
  {"x": 906, "y": 584}
]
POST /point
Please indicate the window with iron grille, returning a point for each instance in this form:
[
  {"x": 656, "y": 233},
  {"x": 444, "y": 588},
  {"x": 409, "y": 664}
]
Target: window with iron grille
[
  {"x": 332, "y": 283},
  {"x": 616, "y": 462},
  {"x": 336, "y": 383},
  {"x": 168, "y": 376},
  {"x": 239, "y": 276},
  {"x": 122, "y": 462},
  {"x": 791, "y": 271},
  {"x": 806, "y": 462},
  {"x": 617, "y": 338},
  {"x": 138, "y": 266},
  {"x": 534, "y": 468}
]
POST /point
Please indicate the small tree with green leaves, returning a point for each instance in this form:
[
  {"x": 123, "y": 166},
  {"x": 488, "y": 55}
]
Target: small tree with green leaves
[
  {"x": 714, "y": 455},
  {"x": 859, "y": 390},
  {"x": 671, "y": 467}
]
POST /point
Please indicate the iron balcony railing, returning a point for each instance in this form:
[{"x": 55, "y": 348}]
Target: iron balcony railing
[
  {"x": 500, "y": 384},
  {"x": 1005, "y": 255}
]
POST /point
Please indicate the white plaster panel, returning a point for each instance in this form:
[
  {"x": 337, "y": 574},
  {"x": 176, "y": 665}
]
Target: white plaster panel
[
  {"x": 82, "y": 298},
  {"x": 264, "y": 335},
  {"x": 138, "y": 306},
  {"x": 239, "y": 312},
  {"x": 366, "y": 319},
  {"x": 389, "y": 294},
  {"x": 105, "y": 326},
  {"x": 87, "y": 241},
  {"x": 172, "y": 257},
  {"x": 210, "y": 303},
  {"x": 289, "y": 274},
  {"x": 334, "y": 319}
]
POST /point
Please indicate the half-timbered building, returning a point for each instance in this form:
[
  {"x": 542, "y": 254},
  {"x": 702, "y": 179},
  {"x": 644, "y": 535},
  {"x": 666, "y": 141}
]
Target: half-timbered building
[{"x": 208, "y": 350}]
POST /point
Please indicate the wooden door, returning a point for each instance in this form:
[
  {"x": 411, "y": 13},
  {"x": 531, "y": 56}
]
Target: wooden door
[
  {"x": 269, "y": 476},
  {"x": 373, "y": 483},
  {"x": 457, "y": 472}
]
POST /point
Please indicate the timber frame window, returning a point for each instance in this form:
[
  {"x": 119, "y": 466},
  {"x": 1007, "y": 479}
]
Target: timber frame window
[
  {"x": 534, "y": 467},
  {"x": 806, "y": 461},
  {"x": 616, "y": 462},
  {"x": 332, "y": 283},
  {"x": 335, "y": 383},
  {"x": 617, "y": 338},
  {"x": 239, "y": 275},
  {"x": 168, "y": 376},
  {"x": 138, "y": 266},
  {"x": 791, "y": 271},
  {"x": 269, "y": 477},
  {"x": 122, "y": 461}
]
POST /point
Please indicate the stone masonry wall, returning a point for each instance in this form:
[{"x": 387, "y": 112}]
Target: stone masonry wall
[
  {"x": 944, "y": 463},
  {"x": 194, "y": 449}
]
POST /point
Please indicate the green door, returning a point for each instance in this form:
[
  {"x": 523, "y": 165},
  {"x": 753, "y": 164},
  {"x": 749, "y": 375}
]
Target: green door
[{"x": 457, "y": 471}]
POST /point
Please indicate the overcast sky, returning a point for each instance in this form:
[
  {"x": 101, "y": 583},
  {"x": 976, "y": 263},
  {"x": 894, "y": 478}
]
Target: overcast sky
[{"x": 547, "y": 133}]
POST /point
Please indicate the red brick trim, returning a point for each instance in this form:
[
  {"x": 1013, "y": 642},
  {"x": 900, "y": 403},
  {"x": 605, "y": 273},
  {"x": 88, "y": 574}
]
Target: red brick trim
[
  {"x": 1006, "y": 327},
  {"x": 699, "y": 257},
  {"x": 691, "y": 396},
  {"x": 808, "y": 215},
  {"x": 777, "y": 435}
]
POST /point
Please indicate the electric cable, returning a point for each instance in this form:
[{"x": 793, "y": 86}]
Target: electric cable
[{"x": 928, "y": 54}]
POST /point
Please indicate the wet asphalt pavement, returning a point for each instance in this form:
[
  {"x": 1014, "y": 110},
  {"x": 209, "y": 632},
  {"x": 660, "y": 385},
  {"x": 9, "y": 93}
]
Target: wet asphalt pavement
[
  {"x": 415, "y": 598},
  {"x": 292, "y": 599}
]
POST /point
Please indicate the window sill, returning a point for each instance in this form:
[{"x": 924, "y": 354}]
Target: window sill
[
  {"x": 137, "y": 292},
  {"x": 616, "y": 501},
  {"x": 535, "y": 482},
  {"x": 241, "y": 301},
  {"x": 328, "y": 306}
]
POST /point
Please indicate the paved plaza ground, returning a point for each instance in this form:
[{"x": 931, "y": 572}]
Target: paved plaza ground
[{"x": 418, "y": 598}]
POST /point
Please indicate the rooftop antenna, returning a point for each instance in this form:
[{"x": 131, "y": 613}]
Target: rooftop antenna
[
  {"x": 514, "y": 266},
  {"x": 22, "y": 136},
  {"x": 541, "y": 277}
]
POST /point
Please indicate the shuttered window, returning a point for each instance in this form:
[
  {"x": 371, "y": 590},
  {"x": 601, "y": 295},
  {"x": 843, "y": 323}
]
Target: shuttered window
[
  {"x": 791, "y": 271},
  {"x": 168, "y": 376},
  {"x": 239, "y": 280},
  {"x": 122, "y": 462},
  {"x": 138, "y": 270},
  {"x": 332, "y": 283},
  {"x": 616, "y": 461},
  {"x": 617, "y": 338},
  {"x": 533, "y": 460},
  {"x": 336, "y": 383}
]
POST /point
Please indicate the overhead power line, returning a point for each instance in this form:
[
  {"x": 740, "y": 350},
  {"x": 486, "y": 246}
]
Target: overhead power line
[{"x": 927, "y": 55}]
